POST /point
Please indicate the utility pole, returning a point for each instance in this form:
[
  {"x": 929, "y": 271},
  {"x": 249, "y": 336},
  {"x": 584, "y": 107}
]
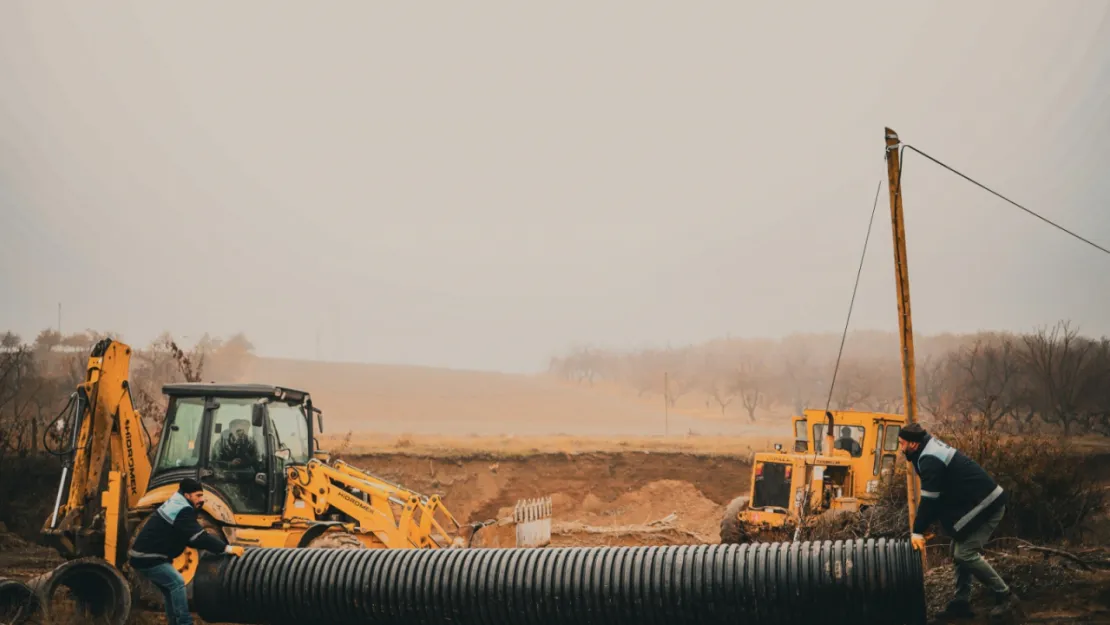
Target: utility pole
[
  {"x": 666, "y": 406},
  {"x": 905, "y": 324},
  {"x": 59, "y": 318}
]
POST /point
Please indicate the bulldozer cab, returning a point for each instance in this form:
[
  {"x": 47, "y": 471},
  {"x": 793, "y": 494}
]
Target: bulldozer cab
[
  {"x": 868, "y": 440},
  {"x": 237, "y": 440}
]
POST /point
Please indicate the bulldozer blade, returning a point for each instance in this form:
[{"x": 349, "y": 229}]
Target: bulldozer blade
[{"x": 533, "y": 522}]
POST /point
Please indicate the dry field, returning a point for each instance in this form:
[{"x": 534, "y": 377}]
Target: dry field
[{"x": 444, "y": 402}]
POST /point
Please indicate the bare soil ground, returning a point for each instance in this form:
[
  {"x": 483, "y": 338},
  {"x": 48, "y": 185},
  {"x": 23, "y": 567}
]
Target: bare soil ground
[{"x": 597, "y": 497}]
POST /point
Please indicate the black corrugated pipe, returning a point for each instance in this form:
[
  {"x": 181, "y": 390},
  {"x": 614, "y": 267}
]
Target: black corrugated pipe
[
  {"x": 872, "y": 582},
  {"x": 17, "y": 602},
  {"x": 97, "y": 592}
]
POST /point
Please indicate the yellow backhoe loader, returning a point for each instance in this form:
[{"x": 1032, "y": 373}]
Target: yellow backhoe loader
[{"x": 253, "y": 449}]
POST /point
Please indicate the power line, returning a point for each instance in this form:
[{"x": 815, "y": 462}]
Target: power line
[
  {"x": 844, "y": 335},
  {"x": 999, "y": 195}
]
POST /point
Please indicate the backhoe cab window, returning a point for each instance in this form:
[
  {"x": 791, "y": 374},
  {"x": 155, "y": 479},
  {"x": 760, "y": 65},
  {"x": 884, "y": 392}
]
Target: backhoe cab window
[
  {"x": 290, "y": 427},
  {"x": 236, "y": 455},
  {"x": 235, "y": 443},
  {"x": 182, "y": 446},
  {"x": 846, "y": 437}
]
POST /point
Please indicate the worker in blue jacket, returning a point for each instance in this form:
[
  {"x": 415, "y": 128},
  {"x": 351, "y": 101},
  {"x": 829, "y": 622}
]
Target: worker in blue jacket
[
  {"x": 969, "y": 504},
  {"x": 171, "y": 529}
]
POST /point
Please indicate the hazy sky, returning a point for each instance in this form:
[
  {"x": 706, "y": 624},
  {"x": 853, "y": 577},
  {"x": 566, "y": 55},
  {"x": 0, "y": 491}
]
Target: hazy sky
[{"x": 479, "y": 185}]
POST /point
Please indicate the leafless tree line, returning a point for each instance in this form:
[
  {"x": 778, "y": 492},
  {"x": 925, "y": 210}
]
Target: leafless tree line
[
  {"x": 38, "y": 377},
  {"x": 1052, "y": 378}
]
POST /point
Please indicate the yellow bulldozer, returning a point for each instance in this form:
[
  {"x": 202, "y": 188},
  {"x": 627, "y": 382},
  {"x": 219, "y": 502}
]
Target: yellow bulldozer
[
  {"x": 254, "y": 450},
  {"x": 835, "y": 466}
]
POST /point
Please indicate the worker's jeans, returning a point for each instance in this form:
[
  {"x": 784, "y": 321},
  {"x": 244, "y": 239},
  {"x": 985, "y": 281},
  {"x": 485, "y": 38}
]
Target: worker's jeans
[
  {"x": 172, "y": 585},
  {"x": 967, "y": 555}
]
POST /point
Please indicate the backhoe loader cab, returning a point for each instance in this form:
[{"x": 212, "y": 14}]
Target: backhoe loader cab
[
  {"x": 816, "y": 478},
  {"x": 236, "y": 439},
  {"x": 239, "y": 439}
]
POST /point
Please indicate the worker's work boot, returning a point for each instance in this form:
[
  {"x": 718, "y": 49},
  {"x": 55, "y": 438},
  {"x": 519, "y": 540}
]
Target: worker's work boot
[
  {"x": 1005, "y": 606},
  {"x": 956, "y": 610}
]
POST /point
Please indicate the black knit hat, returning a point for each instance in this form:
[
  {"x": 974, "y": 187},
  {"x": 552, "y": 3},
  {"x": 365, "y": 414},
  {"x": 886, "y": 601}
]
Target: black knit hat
[
  {"x": 913, "y": 433},
  {"x": 189, "y": 485}
]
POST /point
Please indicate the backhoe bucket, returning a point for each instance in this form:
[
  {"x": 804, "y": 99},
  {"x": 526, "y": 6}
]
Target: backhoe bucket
[{"x": 529, "y": 525}]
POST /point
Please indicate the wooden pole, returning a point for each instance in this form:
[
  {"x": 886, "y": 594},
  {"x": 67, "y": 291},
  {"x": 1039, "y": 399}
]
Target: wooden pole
[
  {"x": 905, "y": 324},
  {"x": 666, "y": 406}
]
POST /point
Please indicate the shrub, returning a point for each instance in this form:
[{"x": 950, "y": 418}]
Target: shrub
[{"x": 1053, "y": 490}]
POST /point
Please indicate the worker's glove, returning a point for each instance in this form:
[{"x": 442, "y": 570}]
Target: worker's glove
[
  {"x": 918, "y": 542},
  {"x": 233, "y": 550}
]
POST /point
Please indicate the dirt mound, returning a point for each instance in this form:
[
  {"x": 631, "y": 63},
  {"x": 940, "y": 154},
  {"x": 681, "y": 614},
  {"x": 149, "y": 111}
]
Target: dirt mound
[
  {"x": 20, "y": 559},
  {"x": 477, "y": 487},
  {"x": 674, "y": 508}
]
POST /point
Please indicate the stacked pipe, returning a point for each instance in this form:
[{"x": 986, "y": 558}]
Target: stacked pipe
[
  {"x": 90, "y": 589},
  {"x": 18, "y": 602},
  {"x": 818, "y": 583}
]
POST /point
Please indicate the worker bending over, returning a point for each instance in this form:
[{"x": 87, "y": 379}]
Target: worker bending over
[
  {"x": 969, "y": 504},
  {"x": 171, "y": 529}
]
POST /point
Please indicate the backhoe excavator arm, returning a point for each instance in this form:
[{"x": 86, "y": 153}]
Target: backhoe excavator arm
[{"x": 107, "y": 436}]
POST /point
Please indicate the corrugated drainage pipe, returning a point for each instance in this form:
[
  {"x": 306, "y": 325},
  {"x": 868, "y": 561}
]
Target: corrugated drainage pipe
[
  {"x": 87, "y": 587},
  {"x": 872, "y": 582},
  {"x": 17, "y": 602}
]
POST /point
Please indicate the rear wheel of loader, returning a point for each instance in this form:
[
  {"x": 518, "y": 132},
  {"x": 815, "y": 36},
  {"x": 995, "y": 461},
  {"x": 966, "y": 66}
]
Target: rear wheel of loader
[
  {"x": 733, "y": 531},
  {"x": 336, "y": 540}
]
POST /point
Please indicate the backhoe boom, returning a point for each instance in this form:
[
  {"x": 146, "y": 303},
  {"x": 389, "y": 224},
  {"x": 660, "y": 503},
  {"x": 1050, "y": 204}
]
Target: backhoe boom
[{"x": 108, "y": 436}]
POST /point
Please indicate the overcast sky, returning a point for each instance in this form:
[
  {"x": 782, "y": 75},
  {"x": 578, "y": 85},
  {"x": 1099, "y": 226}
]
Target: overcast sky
[{"x": 480, "y": 185}]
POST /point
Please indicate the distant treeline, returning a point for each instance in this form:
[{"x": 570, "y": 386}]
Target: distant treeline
[{"x": 1051, "y": 379}]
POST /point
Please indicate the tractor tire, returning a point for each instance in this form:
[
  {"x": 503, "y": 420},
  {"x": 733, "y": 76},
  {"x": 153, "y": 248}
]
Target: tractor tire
[
  {"x": 335, "y": 540},
  {"x": 733, "y": 531}
]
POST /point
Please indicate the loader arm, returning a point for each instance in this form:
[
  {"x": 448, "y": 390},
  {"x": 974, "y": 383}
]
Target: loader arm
[
  {"x": 428, "y": 506},
  {"x": 398, "y": 518},
  {"x": 107, "y": 437}
]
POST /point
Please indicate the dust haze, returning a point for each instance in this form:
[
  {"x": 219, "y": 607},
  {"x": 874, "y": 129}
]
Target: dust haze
[{"x": 481, "y": 188}]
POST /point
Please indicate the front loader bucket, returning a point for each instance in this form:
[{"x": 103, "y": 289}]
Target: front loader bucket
[
  {"x": 533, "y": 522},
  {"x": 528, "y": 526}
]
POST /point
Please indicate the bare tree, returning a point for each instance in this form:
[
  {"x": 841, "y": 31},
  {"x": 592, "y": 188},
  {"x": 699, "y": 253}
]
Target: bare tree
[
  {"x": 798, "y": 375},
  {"x": 987, "y": 379},
  {"x": 751, "y": 384},
  {"x": 1057, "y": 361},
  {"x": 579, "y": 366},
  {"x": 1094, "y": 390},
  {"x": 853, "y": 387},
  {"x": 162, "y": 362},
  {"x": 720, "y": 386},
  {"x": 934, "y": 385}
]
